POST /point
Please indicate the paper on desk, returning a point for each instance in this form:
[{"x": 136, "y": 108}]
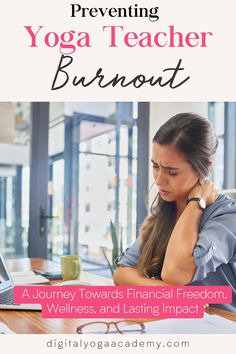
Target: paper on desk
[
  {"x": 28, "y": 278},
  {"x": 4, "y": 329},
  {"x": 92, "y": 279},
  {"x": 22, "y": 274},
  {"x": 209, "y": 324}
]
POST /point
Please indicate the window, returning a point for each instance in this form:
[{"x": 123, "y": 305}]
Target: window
[
  {"x": 88, "y": 166},
  {"x": 87, "y": 228},
  {"x": 217, "y": 117},
  {"x": 87, "y": 207},
  {"x": 99, "y": 150},
  {"x": 14, "y": 177},
  {"x": 223, "y": 117}
]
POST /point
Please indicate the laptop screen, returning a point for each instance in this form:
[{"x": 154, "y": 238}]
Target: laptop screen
[
  {"x": 5, "y": 278},
  {"x": 3, "y": 274}
]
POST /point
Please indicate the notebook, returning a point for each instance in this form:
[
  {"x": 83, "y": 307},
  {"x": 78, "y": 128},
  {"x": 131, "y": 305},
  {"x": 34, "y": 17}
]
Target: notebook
[
  {"x": 209, "y": 324},
  {"x": 6, "y": 291}
]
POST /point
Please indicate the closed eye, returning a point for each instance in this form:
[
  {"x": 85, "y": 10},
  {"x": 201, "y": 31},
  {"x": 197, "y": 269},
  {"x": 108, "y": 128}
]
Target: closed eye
[{"x": 171, "y": 173}]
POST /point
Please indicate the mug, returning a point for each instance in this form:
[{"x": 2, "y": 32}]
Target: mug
[{"x": 70, "y": 267}]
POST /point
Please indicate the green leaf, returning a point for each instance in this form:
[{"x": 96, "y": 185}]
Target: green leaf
[
  {"x": 115, "y": 248},
  {"x": 108, "y": 262},
  {"x": 121, "y": 241}
]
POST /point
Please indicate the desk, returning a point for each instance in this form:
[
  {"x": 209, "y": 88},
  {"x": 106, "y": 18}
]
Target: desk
[
  {"x": 31, "y": 322},
  {"x": 27, "y": 322}
]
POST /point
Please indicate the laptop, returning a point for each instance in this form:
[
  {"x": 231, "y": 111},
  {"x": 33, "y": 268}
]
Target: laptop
[{"x": 6, "y": 291}]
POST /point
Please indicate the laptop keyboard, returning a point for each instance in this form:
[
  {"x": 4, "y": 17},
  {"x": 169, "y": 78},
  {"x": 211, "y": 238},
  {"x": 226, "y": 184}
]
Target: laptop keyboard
[{"x": 7, "y": 298}]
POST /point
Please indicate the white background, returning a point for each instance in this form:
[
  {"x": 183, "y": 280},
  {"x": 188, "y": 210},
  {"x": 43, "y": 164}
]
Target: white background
[
  {"x": 26, "y": 74},
  {"x": 37, "y": 344}
]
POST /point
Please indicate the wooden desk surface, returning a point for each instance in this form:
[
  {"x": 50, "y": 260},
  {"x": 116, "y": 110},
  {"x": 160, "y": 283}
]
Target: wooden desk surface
[
  {"x": 31, "y": 322},
  {"x": 27, "y": 322}
]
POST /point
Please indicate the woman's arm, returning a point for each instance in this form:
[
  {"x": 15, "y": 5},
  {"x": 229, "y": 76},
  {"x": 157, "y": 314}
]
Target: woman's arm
[
  {"x": 179, "y": 265},
  {"x": 131, "y": 276}
]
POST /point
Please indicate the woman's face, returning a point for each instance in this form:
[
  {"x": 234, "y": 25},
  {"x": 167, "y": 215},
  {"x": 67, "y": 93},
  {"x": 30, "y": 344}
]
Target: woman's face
[{"x": 173, "y": 175}]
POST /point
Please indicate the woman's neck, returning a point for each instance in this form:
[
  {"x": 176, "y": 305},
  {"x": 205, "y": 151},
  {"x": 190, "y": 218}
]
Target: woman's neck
[{"x": 180, "y": 206}]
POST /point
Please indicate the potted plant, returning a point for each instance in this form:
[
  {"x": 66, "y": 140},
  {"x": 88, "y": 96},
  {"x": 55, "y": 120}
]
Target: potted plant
[{"x": 117, "y": 248}]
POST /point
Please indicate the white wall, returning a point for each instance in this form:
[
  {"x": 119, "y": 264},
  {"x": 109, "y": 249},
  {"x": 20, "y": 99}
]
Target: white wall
[
  {"x": 160, "y": 112},
  {"x": 56, "y": 109},
  {"x": 7, "y": 122},
  {"x": 11, "y": 154},
  {"x": 103, "y": 109}
]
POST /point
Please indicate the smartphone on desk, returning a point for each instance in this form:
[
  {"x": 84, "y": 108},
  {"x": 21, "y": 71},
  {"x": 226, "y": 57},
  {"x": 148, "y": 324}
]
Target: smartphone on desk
[{"x": 53, "y": 275}]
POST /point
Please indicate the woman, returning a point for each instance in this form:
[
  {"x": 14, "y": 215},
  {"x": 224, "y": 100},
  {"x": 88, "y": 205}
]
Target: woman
[{"x": 190, "y": 236}]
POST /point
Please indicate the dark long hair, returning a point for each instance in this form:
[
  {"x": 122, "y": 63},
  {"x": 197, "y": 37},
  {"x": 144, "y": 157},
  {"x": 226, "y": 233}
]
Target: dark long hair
[{"x": 193, "y": 136}]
